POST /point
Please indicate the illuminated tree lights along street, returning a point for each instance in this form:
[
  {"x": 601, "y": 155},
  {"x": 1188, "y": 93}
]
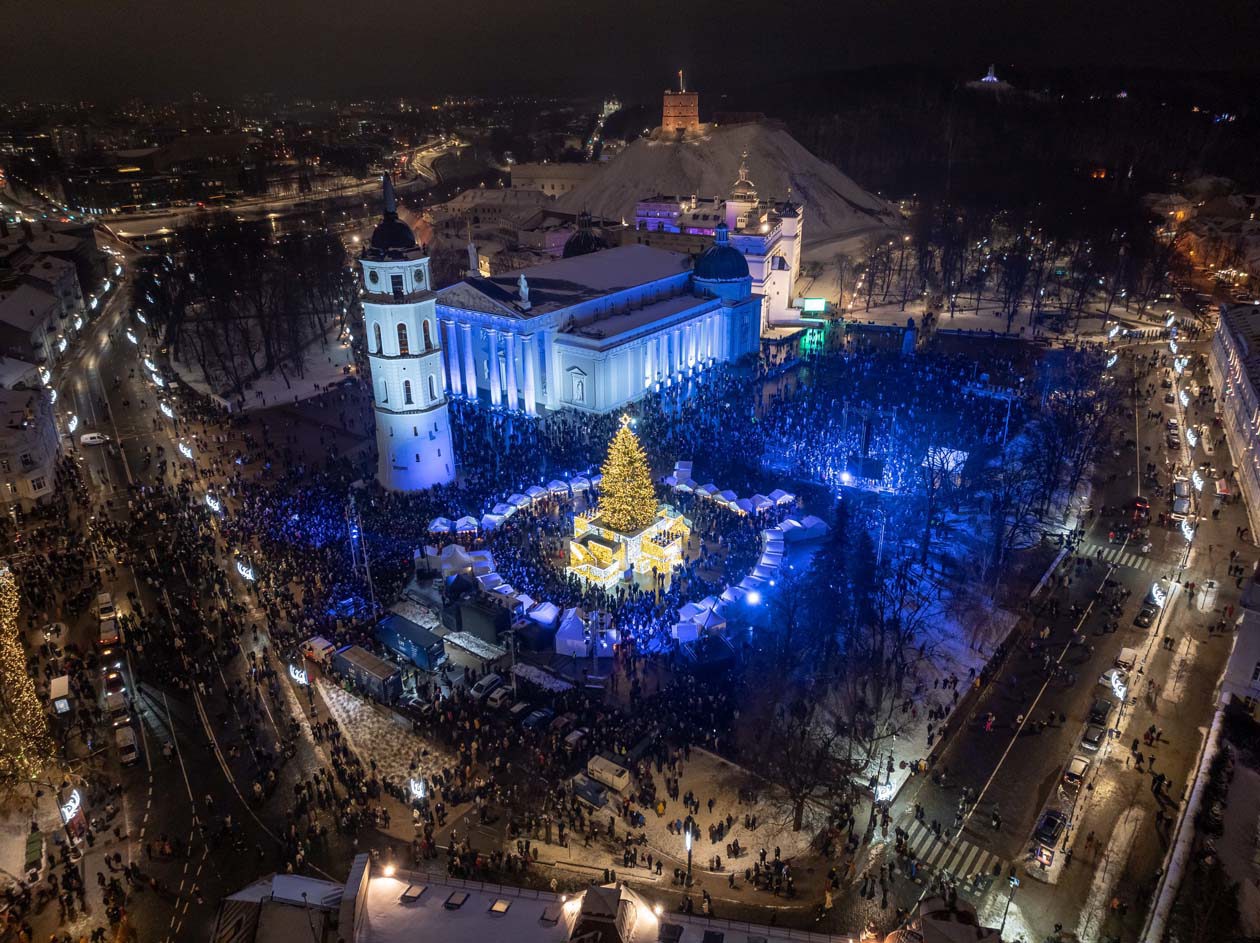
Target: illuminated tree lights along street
[
  {"x": 25, "y": 746},
  {"x": 627, "y": 498}
]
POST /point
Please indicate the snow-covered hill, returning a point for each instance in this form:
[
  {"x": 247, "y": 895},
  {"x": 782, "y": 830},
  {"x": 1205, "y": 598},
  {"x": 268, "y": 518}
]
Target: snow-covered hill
[{"x": 708, "y": 164}]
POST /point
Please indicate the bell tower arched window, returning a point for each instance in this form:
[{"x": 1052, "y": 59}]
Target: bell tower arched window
[
  {"x": 428, "y": 337},
  {"x": 407, "y": 392},
  {"x": 376, "y": 335},
  {"x": 432, "y": 390},
  {"x": 403, "y": 348}
]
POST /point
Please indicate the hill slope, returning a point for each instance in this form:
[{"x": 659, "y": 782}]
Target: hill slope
[{"x": 707, "y": 166}]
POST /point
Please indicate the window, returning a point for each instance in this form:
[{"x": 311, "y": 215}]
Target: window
[
  {"x": 4, "y": 464},
  {"x": 396, "y": 285},
  {"x": 26, "y": 460},
  {"x": 403, "y": 348},
  {"x": 418, "y": 278},
  {"x": 38, "y": 484},
  {"x": 384, "y": 392},
  {"x": 432, "y": 389},
  {"x": 500, "y": 906},
  {"x": 376, "y": 336},
  {"x": 1255, "y": 675},
  {"x": 12, "y": 488},
  {"x": 417, "y": 458},
  {"x": 407, "y": 392},
  {"x": 373, "y": 277},
  {"x": 415, "y": 431},
  {"x": 428, "y": 338}
]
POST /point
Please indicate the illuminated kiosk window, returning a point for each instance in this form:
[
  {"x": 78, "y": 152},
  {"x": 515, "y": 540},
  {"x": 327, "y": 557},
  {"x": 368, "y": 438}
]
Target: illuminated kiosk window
[{"x": 601, "y": 555}]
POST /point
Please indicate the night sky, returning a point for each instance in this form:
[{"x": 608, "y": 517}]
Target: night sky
[{"x": 118, "y": 48}]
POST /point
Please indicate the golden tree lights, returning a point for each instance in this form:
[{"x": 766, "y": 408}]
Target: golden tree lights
[
  {"x": 25, "y": 746},
  {"x": 627, "y": 497}
]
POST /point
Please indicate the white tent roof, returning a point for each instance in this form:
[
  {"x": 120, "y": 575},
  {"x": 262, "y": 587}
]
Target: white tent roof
[
  {"x": 745, "y": 505},
  {"x": 489, "y": 581},
  {"x": 711, "y": 621},
  {"x": 761, "y": 502},
  {"x": 536, "y": 491},
  {"x": 708, "y": 490},
  {"x": 726, "y": 497},
  {"x": 580, "y": 483},
  {"x": 440, "y": 525},
  {"x": 683, "y": 469},
  {"x": 526, "y": 601},
  {"x": 597, "y": 480},
  {"x": 519, "y": 500},
  {"x": 750, "y": 582},
  {"x": 734, "y": 593},
  {"x": 779, "y": 496},
  {"x": 669, "y": 481},
  {"x": 708, "y": 602},
  {"x": 762, "y": 573},
  {"x": 685, "y": 484},
  {"x": 814, "y": 526},
  {"x": 689, "y": 611},
  {"x": 491, "y": 521},
  {"x": 466, "y": 525},
  {"x": 556, "y": 486},
  {"x": 503, "y": 510},
  {"x": 455, "y": 559},
  {"x": 545, "y": 613}
]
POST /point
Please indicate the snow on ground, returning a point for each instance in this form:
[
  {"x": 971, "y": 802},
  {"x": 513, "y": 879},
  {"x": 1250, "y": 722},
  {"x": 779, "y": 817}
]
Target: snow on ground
[
  {"x": 707, "y": 165},
  {"x": 326, "y": 362},
  {"x": 377, "y": 733},
  {"x": 1107, "y": 873}
]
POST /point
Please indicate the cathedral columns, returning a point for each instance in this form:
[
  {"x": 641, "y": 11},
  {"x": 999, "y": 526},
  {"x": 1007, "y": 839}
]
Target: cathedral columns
[
  {"x": 679, "y": 359},
  {"x": 509, "y": 355},
  {"x": 530, "y": 355},
  {"x": 492, "y": 366},
  {"x": 454, "y": 382},
  {"x": 649, "y": 364},
  {"x": 470, "y": 366}
]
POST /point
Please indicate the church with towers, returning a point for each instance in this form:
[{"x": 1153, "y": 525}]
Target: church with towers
[{"x": 592, "y": 331}]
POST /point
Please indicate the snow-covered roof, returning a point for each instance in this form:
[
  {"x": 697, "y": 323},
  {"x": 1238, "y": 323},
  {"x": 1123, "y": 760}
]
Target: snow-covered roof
[{"x": 565, "y": 282}]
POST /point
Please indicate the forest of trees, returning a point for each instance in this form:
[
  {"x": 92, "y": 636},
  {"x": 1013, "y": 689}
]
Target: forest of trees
[{"x": 240, "y": 303}]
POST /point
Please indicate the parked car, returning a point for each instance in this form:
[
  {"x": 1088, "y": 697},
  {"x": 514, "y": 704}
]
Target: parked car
[
  {"x": 114, "y": 683},
  {"x": 110, "y": 633},
  {"x": 1050, "y": 828},
  {"x": 519, "y": 709},
  {"x": 1117, "y": 679},
  {"x": 125, "y": 739},
  {"x": 1074, "y": 774},
  {"x": 94, "y": 438},
  {"x": 1146, "y": 617},
  {"x": 485, "y": 686},
  {"x": 1101, "y": 710},
  {"x": 498, "y": 697},
  {"x": 1093, "y": 737},
  {"x": 105, "y": 608},
  {"x": 538, "y": 719}
]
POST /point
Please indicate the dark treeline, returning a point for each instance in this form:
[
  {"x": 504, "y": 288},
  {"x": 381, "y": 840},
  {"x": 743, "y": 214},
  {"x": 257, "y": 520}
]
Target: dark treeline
[{"x": 915, "y": 131}]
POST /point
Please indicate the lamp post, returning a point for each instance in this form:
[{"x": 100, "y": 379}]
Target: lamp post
[
  {"x": 688, "y": 855},
  {"x": 1010, "y": 897}
]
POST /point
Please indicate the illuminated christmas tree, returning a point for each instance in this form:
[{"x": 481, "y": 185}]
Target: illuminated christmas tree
[
  {"x": 627, "y": 498},
  {"x": 25, "y": 746}
]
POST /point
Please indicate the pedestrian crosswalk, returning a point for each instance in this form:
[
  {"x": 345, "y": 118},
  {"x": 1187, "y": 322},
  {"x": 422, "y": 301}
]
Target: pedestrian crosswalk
[
  {"x": 958, "y": 856},
  {"x": 1109, "y": 553}
]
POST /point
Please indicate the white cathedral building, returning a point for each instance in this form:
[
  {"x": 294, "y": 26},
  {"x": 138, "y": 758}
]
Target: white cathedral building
[
  {"x": 413, "y": 429},
  {"x": 600, "y": 329}
]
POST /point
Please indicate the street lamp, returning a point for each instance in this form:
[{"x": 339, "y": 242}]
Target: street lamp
[
  {"x": 688, "y": 854},
  {"x": 1011, "y": 897}
]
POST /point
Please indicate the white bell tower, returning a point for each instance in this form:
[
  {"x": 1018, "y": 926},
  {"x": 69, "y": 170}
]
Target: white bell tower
[{"x": 413, "y": 428}]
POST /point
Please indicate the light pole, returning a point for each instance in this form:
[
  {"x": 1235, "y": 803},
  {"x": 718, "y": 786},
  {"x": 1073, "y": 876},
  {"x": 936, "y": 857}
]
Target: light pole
[
  {"x": 688, "y": 855},
  {"x": 1014, "y": 887}
]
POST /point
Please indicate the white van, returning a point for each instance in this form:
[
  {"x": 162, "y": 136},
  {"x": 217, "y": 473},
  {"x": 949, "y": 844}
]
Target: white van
[
  {"x": 1127, "y": 658},
  {"x": 128, "y": 752},
  {"x": 485, "y": 686},
  {"x": 105, "y": 608},
  {"x": 611, "y": 774}
]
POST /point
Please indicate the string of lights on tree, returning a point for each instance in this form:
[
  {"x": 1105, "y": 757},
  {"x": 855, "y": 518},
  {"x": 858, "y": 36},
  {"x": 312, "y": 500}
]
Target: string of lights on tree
[
  {"x": 25, "y": 746},
  {"x": 627, "y": 497}
]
